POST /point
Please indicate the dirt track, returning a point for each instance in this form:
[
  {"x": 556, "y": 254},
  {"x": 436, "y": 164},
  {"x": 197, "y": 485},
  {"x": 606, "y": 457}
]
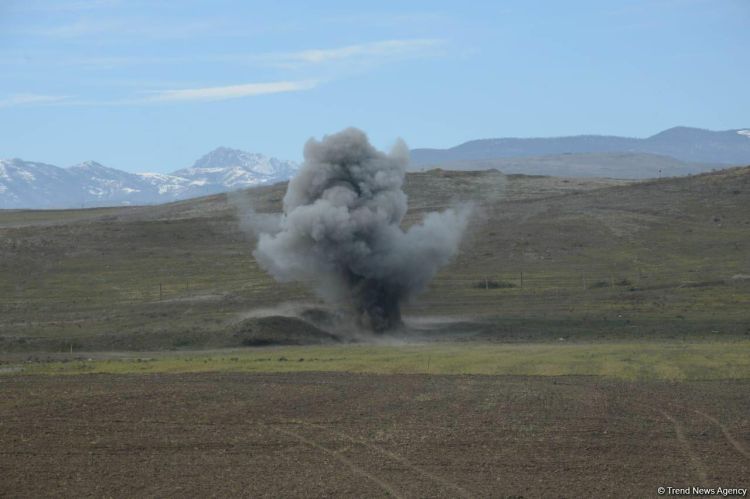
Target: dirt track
[{"x": 322, "y": 435}]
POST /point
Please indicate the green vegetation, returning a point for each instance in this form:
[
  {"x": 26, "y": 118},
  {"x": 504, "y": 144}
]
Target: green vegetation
[{"x": 632, "y": 361}]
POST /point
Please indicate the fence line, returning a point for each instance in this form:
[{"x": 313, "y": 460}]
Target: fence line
[{"x": 510, "y": 283}]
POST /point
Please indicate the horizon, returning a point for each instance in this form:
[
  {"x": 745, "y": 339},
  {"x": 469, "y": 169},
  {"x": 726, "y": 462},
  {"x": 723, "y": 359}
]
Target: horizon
[
  {"x": 219, "y": 147},
  {"x": 143, "y": 87}
]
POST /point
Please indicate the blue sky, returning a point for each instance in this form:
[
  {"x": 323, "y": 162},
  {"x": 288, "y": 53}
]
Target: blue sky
[{"x": 151, "y": 85}]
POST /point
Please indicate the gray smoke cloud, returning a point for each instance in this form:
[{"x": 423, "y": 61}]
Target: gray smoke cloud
[{"x": 341, "y": 230}]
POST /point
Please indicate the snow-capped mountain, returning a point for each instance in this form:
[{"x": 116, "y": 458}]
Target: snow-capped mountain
[
  {"x": 228, "y": 169},
  {"x": 25, "y": 184},
  {"x": 238, "y": 167}
]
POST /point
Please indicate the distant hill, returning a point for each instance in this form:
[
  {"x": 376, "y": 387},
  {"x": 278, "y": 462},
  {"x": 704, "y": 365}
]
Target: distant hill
[
  {"x": 729, "y": 147},
  {"x": 26, "y": 184},
  {"x": 623, "y": 165}
]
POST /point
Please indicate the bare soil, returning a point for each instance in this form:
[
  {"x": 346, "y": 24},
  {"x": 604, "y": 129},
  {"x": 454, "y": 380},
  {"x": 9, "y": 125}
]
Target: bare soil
[{"x": 326, "y": 434}]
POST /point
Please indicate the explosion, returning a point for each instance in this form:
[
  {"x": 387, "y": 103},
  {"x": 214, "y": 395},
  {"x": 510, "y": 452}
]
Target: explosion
[{"x": 341, "y": 231}]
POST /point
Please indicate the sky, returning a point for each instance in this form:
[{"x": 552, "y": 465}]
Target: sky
[{"x": 152, "y": 85}]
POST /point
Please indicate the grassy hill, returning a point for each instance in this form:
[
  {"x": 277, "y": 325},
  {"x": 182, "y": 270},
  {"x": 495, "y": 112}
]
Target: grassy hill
[{"x": 545, "y": 259}]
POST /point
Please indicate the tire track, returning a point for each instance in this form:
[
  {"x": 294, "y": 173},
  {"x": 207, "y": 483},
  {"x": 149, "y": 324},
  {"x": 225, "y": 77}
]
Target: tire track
[
  {"x": 396, "y": 457},
  {"x": 724, "y": 430},
  {"x": 697, "y": 463},
  {"x": 343, "y": 460},
  {"x": 738, "y": 446}
]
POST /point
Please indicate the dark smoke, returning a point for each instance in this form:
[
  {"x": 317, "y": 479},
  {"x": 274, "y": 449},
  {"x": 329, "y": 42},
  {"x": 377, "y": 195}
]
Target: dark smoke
[{"x": 341, "y": 230}]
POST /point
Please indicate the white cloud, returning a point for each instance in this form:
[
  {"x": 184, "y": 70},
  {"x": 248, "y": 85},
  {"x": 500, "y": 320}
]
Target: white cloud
[
  {"x": 204, "y": 94},
  {"x": 229, "y": 92},
  {"x": 30, "y": 99},
  {"x": 356, "y": 54},
  {"x": 386, "y": 49}
]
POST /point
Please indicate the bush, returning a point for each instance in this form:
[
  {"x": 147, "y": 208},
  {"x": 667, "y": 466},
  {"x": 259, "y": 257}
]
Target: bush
[
  {"x": 182, "y": 342},
  {"x": 493, "y": 284}
]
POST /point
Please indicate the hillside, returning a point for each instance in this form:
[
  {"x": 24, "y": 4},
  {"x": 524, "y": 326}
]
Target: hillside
[{"x": 545, "y": 258}]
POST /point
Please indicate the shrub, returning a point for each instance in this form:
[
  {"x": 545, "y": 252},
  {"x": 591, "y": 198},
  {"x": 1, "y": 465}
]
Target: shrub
[{"x": 493, "y": 284}]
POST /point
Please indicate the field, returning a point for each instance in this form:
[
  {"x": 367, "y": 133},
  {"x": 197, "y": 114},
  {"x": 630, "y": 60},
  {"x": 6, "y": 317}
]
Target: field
[
  {"x": 364, "y": 435},
  {"x": 446, "y": 419},
  {"x": 592, "y": 339}
]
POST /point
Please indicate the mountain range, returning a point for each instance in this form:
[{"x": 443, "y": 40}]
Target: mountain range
[
  {"x": 25, "y": 184},
  {"x": 694, "y": 145},
  {"x": 674, "y": 152}
]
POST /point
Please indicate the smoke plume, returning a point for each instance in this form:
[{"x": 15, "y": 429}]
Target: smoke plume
[{"x": 341, "y": 230}]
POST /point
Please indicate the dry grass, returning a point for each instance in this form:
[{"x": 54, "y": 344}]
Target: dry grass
[{"x": 180, "y": 275}]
